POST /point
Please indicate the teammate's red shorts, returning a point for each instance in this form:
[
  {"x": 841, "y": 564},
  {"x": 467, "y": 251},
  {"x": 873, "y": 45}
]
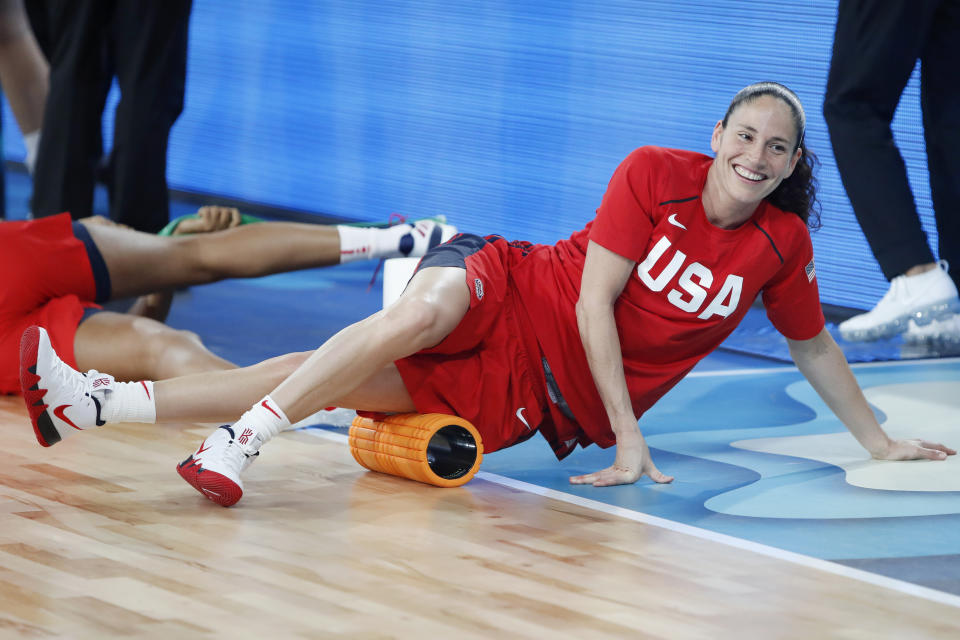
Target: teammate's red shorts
[
  {"x": 48, "y": 281},
  {"x": 488, "y": 369}
]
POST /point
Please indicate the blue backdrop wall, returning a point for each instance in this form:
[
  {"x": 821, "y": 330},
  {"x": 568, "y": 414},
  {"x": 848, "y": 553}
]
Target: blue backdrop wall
[{"x": 509, "y": 116}]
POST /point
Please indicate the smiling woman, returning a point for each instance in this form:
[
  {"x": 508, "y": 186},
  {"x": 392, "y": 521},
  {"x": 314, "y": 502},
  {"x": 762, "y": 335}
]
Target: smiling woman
[
  {"x": 775, "y": 159},
  {"x": 575, "y": 340}
]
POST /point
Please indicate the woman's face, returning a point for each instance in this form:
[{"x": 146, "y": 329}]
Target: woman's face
[{"x": 754, "y": 152}]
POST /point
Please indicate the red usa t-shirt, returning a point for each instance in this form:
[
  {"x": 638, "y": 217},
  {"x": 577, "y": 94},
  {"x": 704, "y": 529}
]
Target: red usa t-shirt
[{"x": 691, "y": 286}]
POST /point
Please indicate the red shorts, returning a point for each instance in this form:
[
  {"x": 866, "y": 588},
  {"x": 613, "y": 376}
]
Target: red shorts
[
  {"x": 48, "y": 281},
  {"x": 488, "y": 369}
]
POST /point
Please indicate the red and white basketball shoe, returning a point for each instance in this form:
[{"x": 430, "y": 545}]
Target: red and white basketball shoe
[
  {"x": 60, "y": 399},
  {"x": 214, "y": 468}
]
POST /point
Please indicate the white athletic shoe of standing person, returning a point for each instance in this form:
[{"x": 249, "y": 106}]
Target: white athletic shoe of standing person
[{"x": 921, "y": 298}]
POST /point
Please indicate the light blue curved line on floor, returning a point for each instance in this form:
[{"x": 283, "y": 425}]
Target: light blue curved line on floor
[
  {"x": 799, "y": 487},
  {"x": 824, "y": 494}
]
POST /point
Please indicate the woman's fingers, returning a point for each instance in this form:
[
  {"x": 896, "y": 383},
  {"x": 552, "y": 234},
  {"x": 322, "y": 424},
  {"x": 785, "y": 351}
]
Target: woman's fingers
[
  {"x": 658, "y": 477},
  {"x": 938, "y": 447},
  {"x": 612, "y": 476},
  {"x": 587, "y": 478}
]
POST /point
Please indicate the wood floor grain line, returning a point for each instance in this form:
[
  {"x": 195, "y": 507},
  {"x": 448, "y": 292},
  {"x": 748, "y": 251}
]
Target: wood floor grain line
[
  {"x": 100, "y": 538},
  {"x": 822, "y": 565}
]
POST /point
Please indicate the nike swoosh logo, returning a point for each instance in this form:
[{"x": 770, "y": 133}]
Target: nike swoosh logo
[
  {"x": 59, "y": 413},
  {"x": 269, "y": 408},
  {"x": 673, "y": 220},
  {"x": 203, "y": 447},
  {"x": 522, "y": 419}
]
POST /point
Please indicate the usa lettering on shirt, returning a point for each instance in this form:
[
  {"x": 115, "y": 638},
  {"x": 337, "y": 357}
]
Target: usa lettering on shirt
[{"x": 695, "y": 281}]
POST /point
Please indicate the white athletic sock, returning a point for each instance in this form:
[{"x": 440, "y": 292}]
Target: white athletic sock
[
  {"x": 258, "y": 425},
  {"x": 31, "y": 141},
  {"x": 366, "y": 243},
  {"x": 129, "y": 402}
]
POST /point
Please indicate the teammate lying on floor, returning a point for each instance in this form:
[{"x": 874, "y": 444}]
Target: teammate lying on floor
[
  {"x": 575, "y": 340},
  {"x": 57, "y": 272}
]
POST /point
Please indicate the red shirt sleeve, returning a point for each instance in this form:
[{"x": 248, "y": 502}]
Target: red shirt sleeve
[
  {"x": 623, "y": 223},
  {"x": 792, "y": 298}
]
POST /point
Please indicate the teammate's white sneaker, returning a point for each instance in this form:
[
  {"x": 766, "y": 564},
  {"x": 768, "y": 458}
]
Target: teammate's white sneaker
[
  {"x": 424, "y": 235},
  {"x": 214, "y": 468},
  {"x": 60, "y": 399},
  {"x": 937, "y": 332},
  {"x": 921, "y": 298}
]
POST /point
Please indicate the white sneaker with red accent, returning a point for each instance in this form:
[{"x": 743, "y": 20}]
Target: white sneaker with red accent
[
  {"x": 60, "y": 399},
  {"x": 214, "y": 468}
]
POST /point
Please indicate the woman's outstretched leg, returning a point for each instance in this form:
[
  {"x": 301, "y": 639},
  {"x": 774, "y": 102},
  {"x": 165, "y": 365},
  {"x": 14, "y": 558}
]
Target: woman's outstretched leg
[
  {"x": 141, "y": 263},
  {"x": 341, "y": 372},
  {"x": 62, "y": 401},
  {"x": 353, "y": 369},
  {"x": 431, "y": 307},
  {"x": 224, "y": 395}
]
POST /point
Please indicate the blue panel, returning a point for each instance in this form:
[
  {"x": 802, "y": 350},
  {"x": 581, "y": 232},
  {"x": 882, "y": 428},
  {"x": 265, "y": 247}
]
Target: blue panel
[{"x": 508, "y": 116}]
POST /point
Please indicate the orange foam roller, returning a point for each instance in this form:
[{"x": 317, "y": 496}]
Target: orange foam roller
[{"x": 434, "y": 448}]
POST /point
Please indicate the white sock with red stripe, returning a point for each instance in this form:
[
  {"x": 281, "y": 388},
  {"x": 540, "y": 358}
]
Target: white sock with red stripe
[
  {"x": 129, "y": 402},
  {"x": 258, "y": 425},
  {"x": 365, "y": 243}
]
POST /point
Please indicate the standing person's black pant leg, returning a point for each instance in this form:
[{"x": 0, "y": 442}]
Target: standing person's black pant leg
[
  {"x": 150, "y": 52},
  {"x": 876, "y": 46},
  {"x": 940, "y": 98},
  {"x": 71, "y": 144}
]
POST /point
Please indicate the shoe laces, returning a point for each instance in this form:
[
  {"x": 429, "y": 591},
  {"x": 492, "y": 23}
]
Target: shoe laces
[
  {"x": 235, "y": 457},
  {"x": 71, "y": 380}
]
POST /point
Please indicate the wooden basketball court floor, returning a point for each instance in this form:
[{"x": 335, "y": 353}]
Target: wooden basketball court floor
[{"x": 774, "y": 528}]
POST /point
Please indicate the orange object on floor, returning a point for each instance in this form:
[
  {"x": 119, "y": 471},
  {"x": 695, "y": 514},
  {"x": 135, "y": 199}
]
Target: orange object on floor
[{"x": 433, "y": 448}]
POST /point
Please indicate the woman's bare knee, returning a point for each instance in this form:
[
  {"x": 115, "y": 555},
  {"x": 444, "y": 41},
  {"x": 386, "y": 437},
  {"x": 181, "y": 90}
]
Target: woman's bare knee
[
  {"x": 133, "y": 348},
  {"x": 430, "y": 308},
  {"x": 175, "y": 352},
  {"x": 201, "y": 264},
  {"x": 416, "y": 323}
]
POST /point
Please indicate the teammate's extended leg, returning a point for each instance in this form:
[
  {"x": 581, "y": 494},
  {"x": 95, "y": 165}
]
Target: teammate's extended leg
[
  {"x": 140, "y": 263},
  {"x": 353, "y": 369}
]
